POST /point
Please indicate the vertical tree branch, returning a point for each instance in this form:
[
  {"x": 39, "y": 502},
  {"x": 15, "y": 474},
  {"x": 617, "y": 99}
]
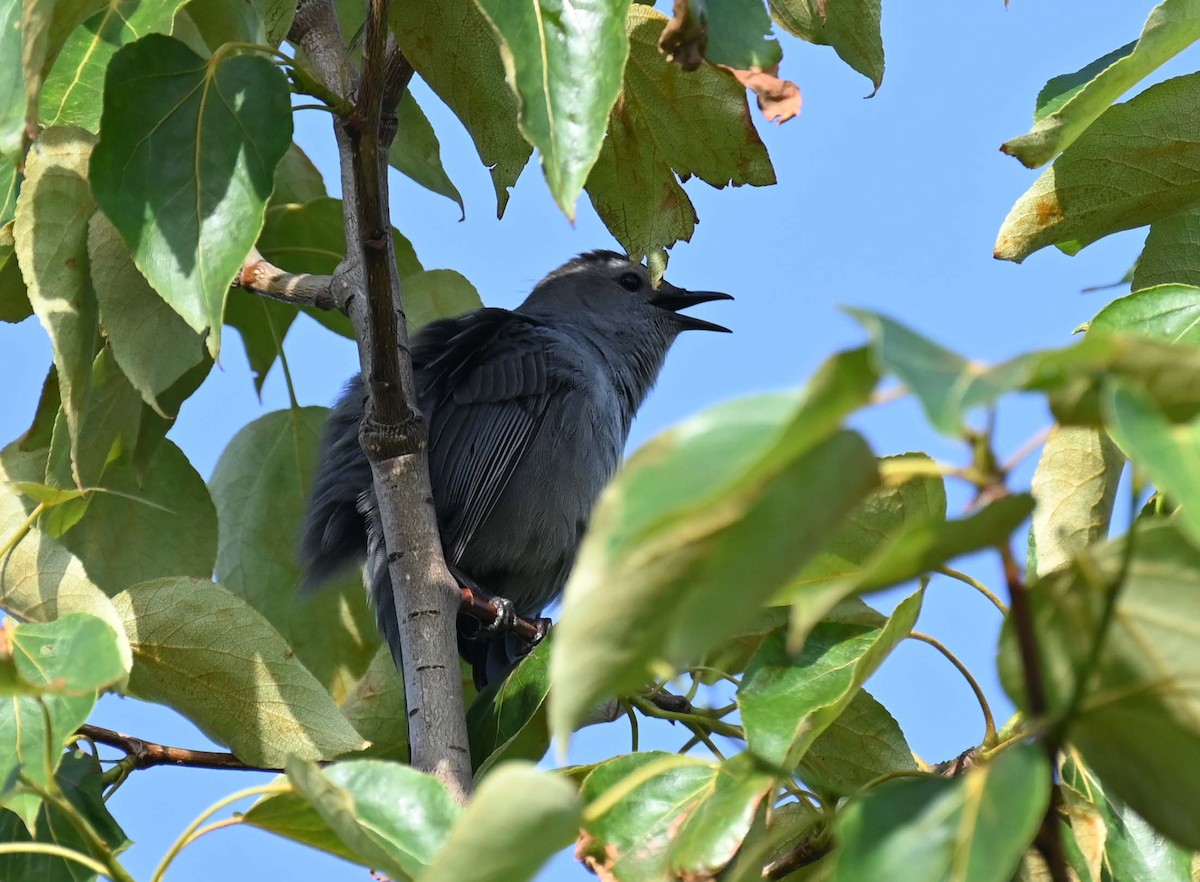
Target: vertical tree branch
[{"x": 393, "y": 433}]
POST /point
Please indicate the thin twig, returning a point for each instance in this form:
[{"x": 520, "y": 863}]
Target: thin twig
[
  {"x": 977, "y": 585},
  {"x": 989, "y": 722},
  {"x": 146, "y": 754}
]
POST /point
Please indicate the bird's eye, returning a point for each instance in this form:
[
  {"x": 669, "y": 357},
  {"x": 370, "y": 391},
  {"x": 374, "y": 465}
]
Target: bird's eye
[{"x": 630, "y": 281}]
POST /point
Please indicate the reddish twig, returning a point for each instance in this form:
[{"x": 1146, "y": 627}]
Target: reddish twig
[{"x": 146, "y": 754}]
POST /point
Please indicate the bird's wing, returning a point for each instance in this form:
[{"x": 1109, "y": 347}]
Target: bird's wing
[{"x": 484, "y": 381}]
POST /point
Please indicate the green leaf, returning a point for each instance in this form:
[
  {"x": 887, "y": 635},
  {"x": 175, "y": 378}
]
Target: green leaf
[
  {"x": 631, "y": 840},
  {"x": 277, "y": 17},
  {"x": 1138, "y": 724},
  {"x": 851, "y": 27},
  {"x": 436, "y": 294},
  {"x": 217, "y": 22},
  {"x": 186, "y": 164},
  {"x": 297, "y": 179},
  {"x": 670, "y": 123},
  {"x": 1138, "y": 163},
  {"x": 377, "y": 710},
  {"x": 204, "y": 652},
  {"x": 1169, "y": 254},
  {"x": 415, "y": 152},
  {"x": 695, "y": 511},
  {"x": 739, "y": 35},
  {"x": 787, "y": 700},
  {"x": 713, "y": 831},
  {"x": 80, "y": 780},
  {"x": 260, "y": 488},
  {"x": 14, "y": 296},
  {"x": 1073, "y": 487},
  {"x": 507, "y": 720},
  {"x": 137, "y": 529},
  {"x": 391, "y": 817},
  {"x": 153, "y": 346},
  {"x": 544, "y": 45},
  {"x": 972, "y": 828},
  {"x": 1069, "y": 104},
  {"x": 12, "y": 83},
  {"x": 947, "y": 385},
  {"x": 863, "y": 742},
  {"x": 1167, "y": 312},
  {"x": 453, "y": 48},
  {"x": 51, "y": 243},
  {"x": 536, "y": 812},
  {"x": 74, "y": 91},
  {"x": 77, "y": 654},
  {"x": 33, "y": 733}
]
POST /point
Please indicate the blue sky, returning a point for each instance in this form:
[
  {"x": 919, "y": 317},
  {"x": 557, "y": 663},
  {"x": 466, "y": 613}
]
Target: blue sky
[{"x": 891, "y": 203}]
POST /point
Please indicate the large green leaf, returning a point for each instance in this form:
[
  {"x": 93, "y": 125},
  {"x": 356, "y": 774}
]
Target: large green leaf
[
  {"x": 630, "y": 841},
  {"x": 713, "y": 830},
  {"x": 297, "y": 179},
  {"x": 507, "y": 720},
  {"x": 80, "y": 780},
  {"x": 452, "y": 47},
  {"x": 415, "y": 151},
  {"x": 217, "y": 22},
  {"x": 12, "y": 83},
  {"x": 1168, "y": 312},
  {"x": 699, "y": 509},
  {"x": 141, "y": 528},
  {"x": 544, "y": 46},
  {"x": 77, "y": 654},
  {"x": 260, "y": 487},
  {"x": 973, "y": 828},
  {"x": 436, "y": 294},
  {"x": 377, "y": 710},
  {"x": 537, "y": 812},
  {"x": 863, "y": 742},
  {"x": 51, "y": 243},
  {"x": 739, "y": 35},
  {"x": 1138, "y": 163},
  {"x": 73, "y": 93},
  {"x": 185, "y": 166},
  {"x": 153, "y": 346},
  {"x": 204, "y": 652},
  {"x": 1071, "y": 103},
  {"x": 390, "y": 817},
  {"x": 670, "y": 123},
  {"x": 1138, "y": 725},
  {"x": 1169, "y": 454},
  {"x": 788, "y": 700},
  {"x": 33, "y": 732},
  {"x": 1169, "y": 256},
  {"x": 1073, "y": 487},
  {"x": 851, "y": 27}
]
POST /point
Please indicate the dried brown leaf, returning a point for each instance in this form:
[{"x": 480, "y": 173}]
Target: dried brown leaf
[{"x": 778, "y": 99}]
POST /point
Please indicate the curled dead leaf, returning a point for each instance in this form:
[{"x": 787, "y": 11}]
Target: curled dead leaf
[
  {"x": 685, "y": 38},
  {"x": 778, "y": 99}
]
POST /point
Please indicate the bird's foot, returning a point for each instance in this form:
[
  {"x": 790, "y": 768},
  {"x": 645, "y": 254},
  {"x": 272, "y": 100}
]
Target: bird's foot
[
  {"x": 506, "y": 616},
  {"x": 543, "y": 628}
]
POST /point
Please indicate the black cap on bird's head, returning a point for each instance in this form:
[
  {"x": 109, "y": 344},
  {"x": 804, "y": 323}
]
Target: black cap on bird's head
[{"x": 608, "y": 271}]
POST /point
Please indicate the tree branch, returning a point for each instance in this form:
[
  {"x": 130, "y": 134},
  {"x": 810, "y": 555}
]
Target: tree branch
[
  {"x": 393, "y": 433},
  {"x": 146, "y": 754},
  {"x": 261, "y": 277}
]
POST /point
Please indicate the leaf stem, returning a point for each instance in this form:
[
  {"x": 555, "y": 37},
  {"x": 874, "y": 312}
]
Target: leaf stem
[
  {"x": 58, "y": 851},
  {"x": 989, "y": 722},
  {"x": 977, "y": 585},
  {"x": 22, "y": 530}
]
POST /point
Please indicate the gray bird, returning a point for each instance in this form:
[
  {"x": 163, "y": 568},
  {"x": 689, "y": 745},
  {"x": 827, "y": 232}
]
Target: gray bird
[{"x": 528, "y": 412}]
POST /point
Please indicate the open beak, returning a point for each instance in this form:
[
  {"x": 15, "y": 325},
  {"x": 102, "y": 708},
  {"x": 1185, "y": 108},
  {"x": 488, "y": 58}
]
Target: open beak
[{"x": 674, "y": 299}]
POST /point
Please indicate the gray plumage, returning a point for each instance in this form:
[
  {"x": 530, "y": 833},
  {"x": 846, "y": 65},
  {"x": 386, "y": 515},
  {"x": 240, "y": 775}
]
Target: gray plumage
[{"x": 528, "y": 411}]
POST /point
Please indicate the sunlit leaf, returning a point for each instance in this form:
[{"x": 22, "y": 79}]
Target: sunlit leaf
[
  {"x": 415, "y": 152},
  {"x": 863, "y": 742},
  {"x": 77, "y": 654},
  {"x": 33, "y": 733},
  {"x": 507, "y": 720},
  {"x": 1168, "y": 312}
]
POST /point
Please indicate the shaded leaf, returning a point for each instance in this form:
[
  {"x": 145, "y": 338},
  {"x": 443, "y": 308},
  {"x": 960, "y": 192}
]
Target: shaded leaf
[
  {"x": 51, "y": 243},
  {"x": 377, "y": 710},
  {"x": 77, "y": 654},
  {"x": 1138, "y": 163},
  {"x": 739, "y": 35},
  {"x": 217, "y": 22},
  {"x": 186, "y": 164},
  {"x": 538, "y": 812},
  {"x": 1138, "y": 724},
  {"x": 436, "y": 294},
  {"x": 416, "y": 153},
  {"x": 507, "y": 720},
  {"x": 73, "y": 93},
  {"x": 33, "y": 733},
  {"x": 1070, "y": 103},
  {"x": 260, "y": 488},
  {"x": 973, "y": 828},
  {"x": 469, "y": 78},
  {"x": 1170, "y": 252},
  {"x": 543, "y": 46},
  {"x": 79, "y": 779},
  {"x": 297, "y": 179},
  {"x": 787, "y": 700},
  {"x": 1073, "y": 487},
  {"x": 851, "y": 27},
  {"x": 863, "y": 742},
  {"x": 12, "y": 83},
  {"x": 45, "y": 26},
  {"x": 153, "y": 346},
  {"x": 203, "y": 651},
  {"x": 694, "y": 511},
  {"x": 670, "y": 123}
]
